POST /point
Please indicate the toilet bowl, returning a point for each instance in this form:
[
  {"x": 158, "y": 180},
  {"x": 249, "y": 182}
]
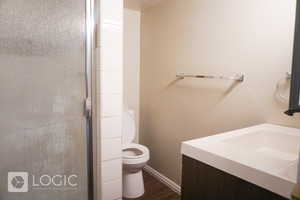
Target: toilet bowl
[{"x": 135, "y": 157}]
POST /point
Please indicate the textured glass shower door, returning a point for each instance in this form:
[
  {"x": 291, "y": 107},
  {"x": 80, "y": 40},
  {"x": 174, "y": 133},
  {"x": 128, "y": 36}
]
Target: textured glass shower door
[{"x": 43, "y": 152}]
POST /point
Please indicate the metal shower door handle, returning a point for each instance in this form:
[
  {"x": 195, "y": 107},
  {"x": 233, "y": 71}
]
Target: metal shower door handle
[{"x": 88, "y": 107}]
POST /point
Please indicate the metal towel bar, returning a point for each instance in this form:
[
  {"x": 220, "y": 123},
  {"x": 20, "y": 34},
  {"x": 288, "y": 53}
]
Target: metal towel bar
[{"x": 237, "y": 77}]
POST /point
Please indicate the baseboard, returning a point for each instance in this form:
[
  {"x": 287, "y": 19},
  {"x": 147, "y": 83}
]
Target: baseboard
[{"x": 165, "y": 180}]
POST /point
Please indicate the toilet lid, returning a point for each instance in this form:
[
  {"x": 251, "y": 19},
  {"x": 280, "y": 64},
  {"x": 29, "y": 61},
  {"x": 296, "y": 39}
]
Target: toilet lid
[{"x": 128, "y": 128}]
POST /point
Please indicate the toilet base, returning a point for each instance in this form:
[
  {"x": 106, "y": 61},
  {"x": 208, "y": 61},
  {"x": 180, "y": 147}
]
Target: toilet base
[{"x": 133, "y": 184}]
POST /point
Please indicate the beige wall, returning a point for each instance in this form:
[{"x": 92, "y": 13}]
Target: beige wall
[
  {"x": 140, "y": 4},
  {"x": 133, "y": 4},
  {"x": 132, "y": 22},
  {"x": 221, "y": 37}
]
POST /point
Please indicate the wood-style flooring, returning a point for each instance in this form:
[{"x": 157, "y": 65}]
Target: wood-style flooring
[{"x": 155, "y": 190}]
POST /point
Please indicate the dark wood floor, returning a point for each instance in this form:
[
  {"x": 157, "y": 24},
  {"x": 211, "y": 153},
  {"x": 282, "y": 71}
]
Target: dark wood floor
[{"x": 155, "y": 190}]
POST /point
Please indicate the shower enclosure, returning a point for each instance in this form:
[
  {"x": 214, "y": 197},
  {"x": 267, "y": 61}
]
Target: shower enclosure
[{"x": 46, "y": 59}]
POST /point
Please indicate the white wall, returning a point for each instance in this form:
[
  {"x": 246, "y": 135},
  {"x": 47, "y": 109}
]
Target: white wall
[
  {"x": 132, "y": 62},
  {"x": 110, "y": 96}
]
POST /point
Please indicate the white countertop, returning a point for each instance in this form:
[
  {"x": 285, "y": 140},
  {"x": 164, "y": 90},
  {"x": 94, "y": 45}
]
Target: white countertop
[{"x": 265, "y": 155}]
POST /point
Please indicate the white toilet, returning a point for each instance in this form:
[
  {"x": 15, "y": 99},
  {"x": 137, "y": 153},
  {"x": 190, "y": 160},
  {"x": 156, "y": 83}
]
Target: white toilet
[{"x": 135, "y": 157}]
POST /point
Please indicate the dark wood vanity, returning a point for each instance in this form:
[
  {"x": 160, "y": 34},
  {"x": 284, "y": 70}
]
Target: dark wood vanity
[{"x": 203, "y": 182}]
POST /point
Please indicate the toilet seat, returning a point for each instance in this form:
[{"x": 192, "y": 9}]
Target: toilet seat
[
  {"x": 132, "y": 153},
  {"x": 135, "y": 154}
]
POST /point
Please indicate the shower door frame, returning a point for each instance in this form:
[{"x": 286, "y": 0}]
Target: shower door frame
[{"x": 89, "y": 107}]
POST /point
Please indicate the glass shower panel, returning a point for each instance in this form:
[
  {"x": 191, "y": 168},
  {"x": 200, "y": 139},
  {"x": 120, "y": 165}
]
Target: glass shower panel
[{"x": 42, "y": 89}]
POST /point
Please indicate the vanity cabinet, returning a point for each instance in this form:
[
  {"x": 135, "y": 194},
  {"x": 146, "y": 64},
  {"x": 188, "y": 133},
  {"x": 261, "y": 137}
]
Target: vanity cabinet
[{"x": 203, "y": 182}]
